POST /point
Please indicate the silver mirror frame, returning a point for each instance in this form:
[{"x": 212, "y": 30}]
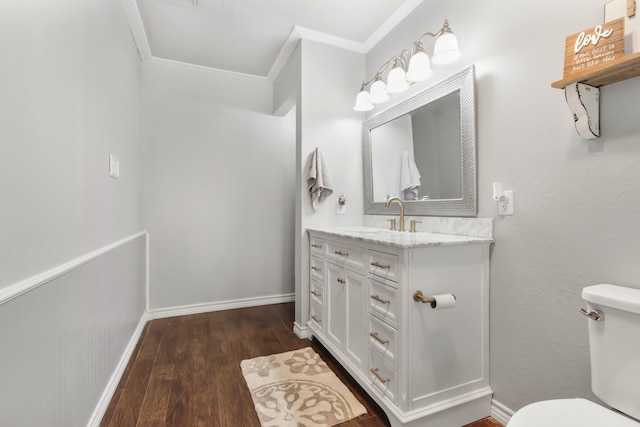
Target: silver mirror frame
[{"x": 464, "y": 81}]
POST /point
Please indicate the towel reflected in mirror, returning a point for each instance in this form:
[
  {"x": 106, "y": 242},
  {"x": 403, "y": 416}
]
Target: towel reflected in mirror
[{"x": 409, "y": 177}]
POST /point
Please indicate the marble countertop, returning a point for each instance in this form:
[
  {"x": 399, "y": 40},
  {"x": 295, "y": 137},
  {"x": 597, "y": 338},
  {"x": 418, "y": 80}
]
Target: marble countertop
[{"x": 401, "y": 239}]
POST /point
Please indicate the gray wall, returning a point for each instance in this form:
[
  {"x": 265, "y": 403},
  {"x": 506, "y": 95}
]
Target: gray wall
[
  {"x": 325, "y": 119},
  {"x": 219, "y": 190},
  {"x": 576, "y": 201},
  {"x": 69, "y": 96},
  {"x": 70, "y": 297}
]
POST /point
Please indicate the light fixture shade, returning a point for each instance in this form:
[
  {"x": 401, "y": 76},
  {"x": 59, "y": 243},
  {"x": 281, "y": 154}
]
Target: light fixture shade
[
  {"x": 378, "y": 92},
  {"x": 397, "y": 80},
  {"x": 419, "y": 68},
  {"x": 445, "y": 50},
  {"x": 363, "y": 102}
]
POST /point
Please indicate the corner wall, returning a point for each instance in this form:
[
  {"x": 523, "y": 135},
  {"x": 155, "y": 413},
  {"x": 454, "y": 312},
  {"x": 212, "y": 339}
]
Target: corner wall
[
  {"x": 219, "y": 192},
  {"x": 330, "y": 78}
]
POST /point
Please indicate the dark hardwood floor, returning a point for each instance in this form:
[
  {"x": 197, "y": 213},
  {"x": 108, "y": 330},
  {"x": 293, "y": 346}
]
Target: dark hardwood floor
[{"x": 185, "y": 371}]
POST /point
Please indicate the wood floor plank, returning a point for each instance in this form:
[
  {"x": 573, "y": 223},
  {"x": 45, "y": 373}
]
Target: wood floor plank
[
  {"x": 186, "y": 372},
  {"x": 153, "y": 411},
  {"x": 126, "y": 410}
]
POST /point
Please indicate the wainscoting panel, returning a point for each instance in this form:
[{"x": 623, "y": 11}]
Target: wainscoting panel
[{"x": 62, "y": 338}]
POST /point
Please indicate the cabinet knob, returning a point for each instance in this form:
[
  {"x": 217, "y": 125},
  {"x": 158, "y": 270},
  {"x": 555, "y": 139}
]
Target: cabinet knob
[{"x": 341, "y": 280}]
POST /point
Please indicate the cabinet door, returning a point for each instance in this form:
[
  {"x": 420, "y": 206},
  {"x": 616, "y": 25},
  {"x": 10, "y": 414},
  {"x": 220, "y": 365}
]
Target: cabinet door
[
  {"x": 447, "y": 350},
  {"x": 356, "y": 339},
  {"x": 336, "y": 321}
]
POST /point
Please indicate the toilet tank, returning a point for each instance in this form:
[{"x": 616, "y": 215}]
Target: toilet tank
[{"x": 615, "y": 346}]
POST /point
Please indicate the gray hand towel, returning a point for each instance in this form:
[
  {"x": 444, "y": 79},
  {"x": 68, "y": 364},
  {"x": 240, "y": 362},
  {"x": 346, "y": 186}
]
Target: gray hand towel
[{"x": 317, "y": 180}]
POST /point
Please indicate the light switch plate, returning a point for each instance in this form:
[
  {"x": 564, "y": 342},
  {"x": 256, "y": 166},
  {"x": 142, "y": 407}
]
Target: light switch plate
[{"x": 114, "y": 166}]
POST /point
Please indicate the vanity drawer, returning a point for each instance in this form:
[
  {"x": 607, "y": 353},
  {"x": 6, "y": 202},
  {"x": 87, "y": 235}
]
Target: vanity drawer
[
  {"x": 383, "y": 265},
  {"x": 382, "y": 375},
  {"x": 317, "y": 292},
  {"x": 383, "y": 339},
  {"x": 383, "y": 301},
  {"x": 346, "y": 256},
  {"x": 316, "y": 314},
  {"x": 317, "y": 246},
  {"x": 316, "y": 266}
]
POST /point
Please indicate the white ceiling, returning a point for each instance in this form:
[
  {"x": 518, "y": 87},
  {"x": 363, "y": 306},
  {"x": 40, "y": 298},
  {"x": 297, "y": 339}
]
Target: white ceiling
[{"x": 253, "y": 36}]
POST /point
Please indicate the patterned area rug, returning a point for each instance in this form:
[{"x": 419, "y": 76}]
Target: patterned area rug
[{"x": 297, "y": 389}]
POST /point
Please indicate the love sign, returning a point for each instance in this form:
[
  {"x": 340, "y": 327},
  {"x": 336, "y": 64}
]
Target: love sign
[{"x": 594, "y": 48}]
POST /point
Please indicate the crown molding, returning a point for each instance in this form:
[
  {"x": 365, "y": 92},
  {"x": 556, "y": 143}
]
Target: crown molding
[
  {"x": 390, "y": 23},
  {"x": 296, "y": 34},
  {"x": 205, "y": 69},
  {"x": 137, "y": 29}
]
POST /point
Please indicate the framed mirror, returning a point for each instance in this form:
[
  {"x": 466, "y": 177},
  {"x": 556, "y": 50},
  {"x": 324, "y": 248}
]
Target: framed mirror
[{"x": 423, "y": 150}]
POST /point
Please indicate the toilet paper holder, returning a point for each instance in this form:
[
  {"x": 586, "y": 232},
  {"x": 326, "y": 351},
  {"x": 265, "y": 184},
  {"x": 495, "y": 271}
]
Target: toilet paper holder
[{"x": 418, "y": 296}]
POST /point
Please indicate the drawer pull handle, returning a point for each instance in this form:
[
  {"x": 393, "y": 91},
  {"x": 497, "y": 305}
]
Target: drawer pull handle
[
  {"x": 341, "y": 253},
  {"x": 341, "y": 280},
  {"x": 374, "y": 371},
  {"x": 318, "y": 294},
  {"x": 316, "y": 246},
  {"x": 382, "y": 266},
  {"x": 375, "y": 336},
  {"x": 315, "y": 268},
  {"x": 383, "y": 301},
  {"x": 314, "y": 317}
]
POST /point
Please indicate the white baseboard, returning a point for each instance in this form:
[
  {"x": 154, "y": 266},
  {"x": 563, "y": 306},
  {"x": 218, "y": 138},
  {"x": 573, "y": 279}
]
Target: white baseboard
[
  {"x": 185, "y": 310},
  {"x": 500, "y": 412},
  {"x": 108, "y": 392},
  {"x": 301, "y": 331}
]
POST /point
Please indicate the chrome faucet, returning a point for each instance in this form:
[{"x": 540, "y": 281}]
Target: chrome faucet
[{"x": 397, "y": 199}]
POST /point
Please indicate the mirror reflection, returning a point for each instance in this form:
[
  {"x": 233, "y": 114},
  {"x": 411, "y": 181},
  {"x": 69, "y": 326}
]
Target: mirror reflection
[
  {"x": 417, "y": 156},
  {"x": 423, "y": 150}
]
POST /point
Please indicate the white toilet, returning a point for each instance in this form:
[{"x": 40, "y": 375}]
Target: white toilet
[{"x": 614, "y": 337}]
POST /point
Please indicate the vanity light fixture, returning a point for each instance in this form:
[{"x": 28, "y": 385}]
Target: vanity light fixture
[{"x": 408, "y": 67}]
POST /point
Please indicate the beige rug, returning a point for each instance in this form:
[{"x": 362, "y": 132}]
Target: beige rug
[{"x": 298, "y": 389}]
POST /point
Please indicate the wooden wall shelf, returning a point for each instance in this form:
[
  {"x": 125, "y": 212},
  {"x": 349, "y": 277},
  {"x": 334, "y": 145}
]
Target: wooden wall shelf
[{"x": 621, "y": 69}]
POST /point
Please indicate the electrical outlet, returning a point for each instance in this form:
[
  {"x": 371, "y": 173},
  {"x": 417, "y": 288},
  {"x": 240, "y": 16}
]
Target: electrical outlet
[{"x": 505, "y": 203}]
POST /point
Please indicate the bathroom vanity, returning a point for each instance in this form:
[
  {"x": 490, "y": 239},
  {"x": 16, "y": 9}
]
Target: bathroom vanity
[{"x": 426, "y": 363}]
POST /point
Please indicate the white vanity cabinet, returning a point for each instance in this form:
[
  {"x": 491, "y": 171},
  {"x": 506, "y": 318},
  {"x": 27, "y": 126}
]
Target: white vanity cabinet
[
  {"x": 423, "y": 366},
  {"x": 346, "y": 292}
]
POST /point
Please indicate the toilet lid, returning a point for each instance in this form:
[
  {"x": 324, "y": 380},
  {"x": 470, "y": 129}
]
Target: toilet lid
[{"x": 569, "y": 412}]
